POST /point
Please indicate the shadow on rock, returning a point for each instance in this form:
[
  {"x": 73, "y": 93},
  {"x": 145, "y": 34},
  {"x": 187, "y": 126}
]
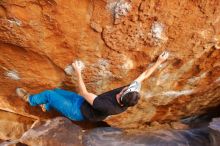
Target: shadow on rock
[
  {"x": 61, "y": 131},
  {"x": 111, "y": 136},
  {"x": 107, "y": 136}
]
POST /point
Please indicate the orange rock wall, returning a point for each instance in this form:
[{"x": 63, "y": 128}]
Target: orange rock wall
[{"x": 116, "y": 40}]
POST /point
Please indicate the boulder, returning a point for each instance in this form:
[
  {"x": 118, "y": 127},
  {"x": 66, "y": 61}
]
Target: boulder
[
  {"x": 116, "y": 40},
  {"x": 215, "y": 131},
  {"x": 112, "y": 136},
  {"x": 54, "y": 132}
]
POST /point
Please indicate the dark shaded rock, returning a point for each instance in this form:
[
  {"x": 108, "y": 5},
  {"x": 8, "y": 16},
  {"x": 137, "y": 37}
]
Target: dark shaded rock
[
  {"x": 214, "y": 137},
  {"x": 111, "y": 136},
  {"x": 203, "y": 120},
  {"x": 55, "y": 132},
  {"x": 40, "y": 38}
]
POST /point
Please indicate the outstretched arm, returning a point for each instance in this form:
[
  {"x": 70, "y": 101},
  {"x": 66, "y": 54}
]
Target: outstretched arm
[
  {"x": 149, "y": 71},
  {"x": 89, "y": 97}
]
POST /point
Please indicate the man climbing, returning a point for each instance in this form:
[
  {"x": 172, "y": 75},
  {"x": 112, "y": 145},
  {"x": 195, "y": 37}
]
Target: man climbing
[{"x": 88, "y": 106}]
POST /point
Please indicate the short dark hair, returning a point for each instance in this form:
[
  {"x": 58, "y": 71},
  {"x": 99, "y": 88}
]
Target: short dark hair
[{"x": 130, "y": 99}]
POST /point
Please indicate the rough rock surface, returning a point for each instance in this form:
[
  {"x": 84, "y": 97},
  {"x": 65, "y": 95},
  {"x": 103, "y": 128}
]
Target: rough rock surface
[
  {"x": 215, "y": 124},
  {"x": 116, "y": 40},
  {"x": 112, "y": 136},
  {"x": 13, "y": 126},
  {"x": 61, "y": 131},
  {"x": 12, "y": 143},
  {"x": 58, "y": 131}
]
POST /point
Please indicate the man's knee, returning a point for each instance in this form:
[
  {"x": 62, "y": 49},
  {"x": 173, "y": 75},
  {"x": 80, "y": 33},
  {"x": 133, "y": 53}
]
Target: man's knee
[{"x": 48, "y": 93}]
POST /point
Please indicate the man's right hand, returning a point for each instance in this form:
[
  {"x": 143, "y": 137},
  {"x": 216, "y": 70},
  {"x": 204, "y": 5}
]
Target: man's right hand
[
  {"x": 76, "y": 67},
  {"x": 163, "y": 57}
]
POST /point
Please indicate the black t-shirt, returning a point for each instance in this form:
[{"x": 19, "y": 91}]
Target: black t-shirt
[{"x": 104, "y": 105}]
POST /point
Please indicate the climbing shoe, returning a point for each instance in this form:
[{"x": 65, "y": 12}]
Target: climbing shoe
[{"x": 22, "y": 93}]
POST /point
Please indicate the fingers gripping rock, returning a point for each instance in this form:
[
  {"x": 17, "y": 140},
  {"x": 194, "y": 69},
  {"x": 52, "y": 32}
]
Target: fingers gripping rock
[{"x": 69, "y": 69}]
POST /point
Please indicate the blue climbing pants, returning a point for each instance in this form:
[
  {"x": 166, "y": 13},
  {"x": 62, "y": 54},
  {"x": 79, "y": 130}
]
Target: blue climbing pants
[{"x": 66, "y": 102}]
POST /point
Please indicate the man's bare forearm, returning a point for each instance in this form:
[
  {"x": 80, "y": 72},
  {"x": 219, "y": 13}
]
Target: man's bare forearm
[
  {"x": 89, "y": 97},
  {"x": 163, "y": 57},
  {"x": 82, "y": 86},
  {"x": 149, "y": 71}
]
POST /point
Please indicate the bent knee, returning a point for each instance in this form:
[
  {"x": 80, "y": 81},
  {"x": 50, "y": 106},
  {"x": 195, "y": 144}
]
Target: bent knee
[{"x": 48, "y": 92}]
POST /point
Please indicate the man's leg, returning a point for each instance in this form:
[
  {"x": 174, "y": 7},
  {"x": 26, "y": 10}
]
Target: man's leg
[
  {"x": 23, "y": 94},
  {"x": 69, "y": 108},
  {"x": 66, "y": 93},
  {"x": 40, "y": 98}
]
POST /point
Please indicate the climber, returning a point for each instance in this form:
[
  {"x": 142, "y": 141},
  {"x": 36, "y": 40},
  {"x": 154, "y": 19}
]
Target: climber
[{"x": 88, "y": 106}]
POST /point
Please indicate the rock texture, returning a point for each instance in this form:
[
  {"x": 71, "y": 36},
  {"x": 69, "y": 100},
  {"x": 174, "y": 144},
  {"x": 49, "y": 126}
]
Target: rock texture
[
  {"x": 215, "y": 124},
  {"x": 58, "y": 131},
  {"x": 116, "y": 40},
  {"x": 62, "y": 132},
  {"x": 13, "y": 126},
  {"x": 12, "y": 143},
  {"x": 112, "y": 136}
]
